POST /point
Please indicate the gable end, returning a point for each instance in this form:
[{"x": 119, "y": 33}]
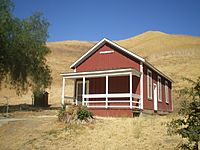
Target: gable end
[{"x": 97, "y": 46}]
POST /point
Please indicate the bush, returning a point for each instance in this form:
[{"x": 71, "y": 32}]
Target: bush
[
  {"x": 188, "y": 125},
  {"x": 83, "y": 113},
  {"x": 61, "y": 112},
  {"x": 73, "y": 114}
]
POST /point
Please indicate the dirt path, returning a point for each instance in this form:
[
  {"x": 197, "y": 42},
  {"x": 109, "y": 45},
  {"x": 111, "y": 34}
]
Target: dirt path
[
  {"x": 6, "y": 120},
  {"x": 15, "y": 133}
]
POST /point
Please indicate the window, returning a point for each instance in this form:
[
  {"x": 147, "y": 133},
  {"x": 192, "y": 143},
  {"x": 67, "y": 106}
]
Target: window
[
  {"x": 79, "y": 89},
  {"x": 159, "y": 89},
  {"x": 166, "y": 92},
  {"x": 149, "y": 84}
]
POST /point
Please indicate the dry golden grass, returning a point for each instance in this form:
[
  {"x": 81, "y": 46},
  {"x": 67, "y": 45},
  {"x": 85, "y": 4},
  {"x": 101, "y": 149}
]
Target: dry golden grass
[
  {"x": 176, "y": 55},
  {"x": 141, "y": 133}
]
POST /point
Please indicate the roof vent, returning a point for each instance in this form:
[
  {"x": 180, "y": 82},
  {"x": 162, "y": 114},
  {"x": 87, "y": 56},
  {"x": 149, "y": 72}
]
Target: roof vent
[{"x": 107, "y": 52}]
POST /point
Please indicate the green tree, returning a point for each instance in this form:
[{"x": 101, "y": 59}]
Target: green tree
[
  {"x": 23, "y": 50},
  {"x": 188, "y": 124}
]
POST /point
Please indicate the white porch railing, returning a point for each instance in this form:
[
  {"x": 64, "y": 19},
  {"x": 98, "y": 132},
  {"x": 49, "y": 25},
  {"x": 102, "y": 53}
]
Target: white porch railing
[{"x": 87, "y": 102}]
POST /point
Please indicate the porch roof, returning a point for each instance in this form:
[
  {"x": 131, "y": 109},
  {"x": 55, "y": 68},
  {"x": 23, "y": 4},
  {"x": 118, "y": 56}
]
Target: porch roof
[{"x": 102, "y": 73}]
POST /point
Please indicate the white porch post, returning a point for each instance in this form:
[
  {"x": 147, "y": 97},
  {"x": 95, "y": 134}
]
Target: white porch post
[
  {"x": 141, "y": 85},
  {"x": 131, "y": 93},
  {"x": 75, "y": 96},
  {"x": 106, "y": 91},
  {"x": 83, "y": 95},
  {"x": 63, "y": 92}
]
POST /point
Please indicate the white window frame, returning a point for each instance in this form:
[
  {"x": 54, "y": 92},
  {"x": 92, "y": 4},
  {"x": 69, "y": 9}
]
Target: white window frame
[
  {"x": 159, "y": 88},
  {"x": 81, "y": 82},
  {"x": 149, "y": 94},
  {"x": 166, "y": 92}
]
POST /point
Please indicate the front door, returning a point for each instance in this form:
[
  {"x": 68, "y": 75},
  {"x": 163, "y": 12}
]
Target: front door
[{"x": 155, "y": 97}]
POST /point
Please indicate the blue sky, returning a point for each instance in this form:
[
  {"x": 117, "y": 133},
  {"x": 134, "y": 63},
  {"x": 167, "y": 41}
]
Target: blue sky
[{"x": 92, "y": 20}]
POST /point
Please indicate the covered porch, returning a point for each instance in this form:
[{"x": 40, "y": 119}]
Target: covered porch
[{"x": 107, "y": 89}]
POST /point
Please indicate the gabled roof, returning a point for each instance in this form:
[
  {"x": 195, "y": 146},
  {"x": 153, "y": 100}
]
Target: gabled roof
[
  {"x": 104, "y": 41},
  {"x": 97, "y": 46}
]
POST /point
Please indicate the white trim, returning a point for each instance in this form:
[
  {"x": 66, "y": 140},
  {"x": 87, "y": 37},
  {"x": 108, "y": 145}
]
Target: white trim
[
  {"x": 76, "y": 85},
  {"x": 107, "y": 82},
  {"x": 87, "y": 83},
  {"x": 102, "y": 42},
  {"x": 63, "y": 92},
  {"x": 141, "y": 84},
  {"x": 159, "y": 92},
  {"x": 155, "y": 97},
  {"x": 83, "y": 91},
  {"x": 98, "y": 72},
  {"x": 76, "y": 95},
  {"x": 149, "y": 95},
  {"x": 166, "y": 92},
  {"x": 74, "y": 98},
  {"x": 116, "y": 95},
  {"x": 113, "y": 107},
  {"x": 98, "y": 75},
  {"x": 115, "y": 72},
  {"x": 131, "y": 88},
  {"x": 125, "y": 50},
  {"x": 156, "y": 70},
  {"x": 113, "y": 101},
  {"x": 106, "y": 52},
  {"x": 97, "y": 46}
]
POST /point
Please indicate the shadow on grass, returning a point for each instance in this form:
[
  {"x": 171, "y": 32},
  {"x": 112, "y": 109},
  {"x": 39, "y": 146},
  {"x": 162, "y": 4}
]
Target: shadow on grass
[{"x": 25, "y": 107}]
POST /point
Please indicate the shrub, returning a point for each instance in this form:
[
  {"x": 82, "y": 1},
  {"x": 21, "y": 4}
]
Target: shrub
[
  {"x": 73, "y": 113},
  {"x": 61, "y": 112},
  {"x": 83, "y": 113},
  {"x": 188, "y": 125}
]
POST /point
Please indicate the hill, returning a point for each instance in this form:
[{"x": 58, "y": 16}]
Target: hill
[{"x": 176, "y": 55}]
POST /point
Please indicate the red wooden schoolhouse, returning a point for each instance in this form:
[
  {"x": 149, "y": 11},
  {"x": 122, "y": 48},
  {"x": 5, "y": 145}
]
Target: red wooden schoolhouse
[{"x": 112, "y": 81}]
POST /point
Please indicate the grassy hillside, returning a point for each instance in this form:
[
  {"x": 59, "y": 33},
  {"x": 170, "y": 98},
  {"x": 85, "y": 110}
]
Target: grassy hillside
[{"x": 176, "y": 55}]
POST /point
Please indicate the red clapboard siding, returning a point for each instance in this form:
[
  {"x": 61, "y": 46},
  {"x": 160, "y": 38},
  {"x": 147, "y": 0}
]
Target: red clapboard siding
[
  {"x": 120, "y": 84},
  {"x": 112, "y": 112},
  {"x": 108, "y": 61},
  {"x": 149, "y": 104}
]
